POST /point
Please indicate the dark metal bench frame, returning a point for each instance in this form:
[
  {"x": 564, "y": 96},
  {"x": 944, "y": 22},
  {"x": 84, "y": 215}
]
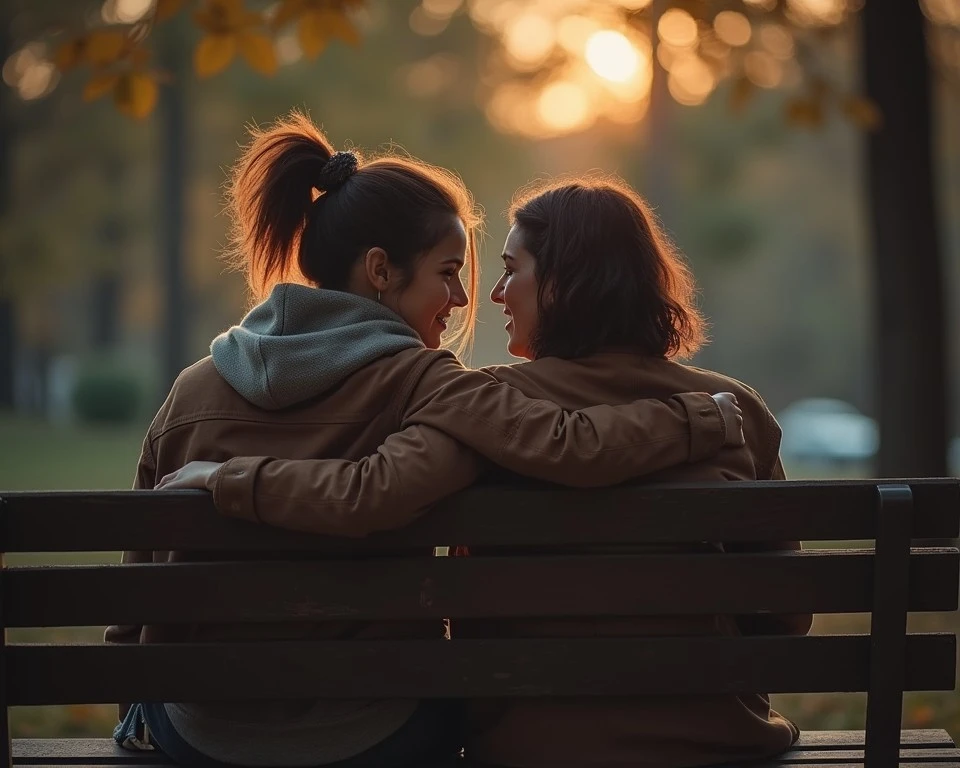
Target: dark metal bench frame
[{"x": 389, "y": 576}]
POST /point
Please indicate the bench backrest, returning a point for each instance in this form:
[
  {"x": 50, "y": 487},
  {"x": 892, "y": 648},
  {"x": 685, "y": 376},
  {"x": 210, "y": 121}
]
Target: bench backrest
[{"x": 392, "y": 576}]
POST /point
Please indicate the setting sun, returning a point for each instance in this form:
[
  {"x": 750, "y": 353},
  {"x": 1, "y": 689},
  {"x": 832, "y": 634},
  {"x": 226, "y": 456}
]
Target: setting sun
[{"x": 612, "y": 56}]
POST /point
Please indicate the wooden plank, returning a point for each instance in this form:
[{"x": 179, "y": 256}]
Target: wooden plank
[
  {"x": 888, "y": 631},
  {"x": 912, "y": 738},
  {"x": 434, "y": 668},
  {"x": 76, "y": 752},
  {"x": 813, "y": 756},
  {"x": 6, "y": 755},
  {"x": 830, "y": 743},
  {"x": 518, "y": 515},
  {"x": 832, "y": 581}
]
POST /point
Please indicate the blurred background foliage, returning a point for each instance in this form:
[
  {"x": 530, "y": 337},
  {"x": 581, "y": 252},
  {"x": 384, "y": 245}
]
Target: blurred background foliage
[{"x": 749, "y": 124}]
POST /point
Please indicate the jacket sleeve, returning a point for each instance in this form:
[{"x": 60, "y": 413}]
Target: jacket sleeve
[
  {"x": 130, "y": 633},
  {"x": 412, "y": 470},
  {"x": 596, "y": 446}
]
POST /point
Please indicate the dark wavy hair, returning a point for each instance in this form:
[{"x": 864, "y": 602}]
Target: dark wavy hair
[
  {"x": 608, "y": 275},
  {"x": 296, "y": 218}
]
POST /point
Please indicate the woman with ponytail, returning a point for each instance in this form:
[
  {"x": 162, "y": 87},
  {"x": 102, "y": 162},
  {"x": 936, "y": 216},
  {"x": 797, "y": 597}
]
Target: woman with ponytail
[{"x": 357, "y": 267}]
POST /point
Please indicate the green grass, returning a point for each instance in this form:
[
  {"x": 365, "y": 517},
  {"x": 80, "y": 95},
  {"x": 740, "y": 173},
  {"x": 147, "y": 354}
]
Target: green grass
[{"x": 38, "y": 456}]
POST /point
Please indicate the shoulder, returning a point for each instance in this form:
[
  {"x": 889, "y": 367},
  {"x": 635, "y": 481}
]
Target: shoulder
[{"x": 760, "y": 426}]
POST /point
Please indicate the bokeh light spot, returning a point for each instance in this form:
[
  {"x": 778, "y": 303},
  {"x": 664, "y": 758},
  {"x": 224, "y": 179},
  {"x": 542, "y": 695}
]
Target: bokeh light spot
[
  {"x": 564, "y": 106},
  {"x": 678, "y": 28},
  {"x": 732, "y": 27},
  {"x": 612, "y": 56}
]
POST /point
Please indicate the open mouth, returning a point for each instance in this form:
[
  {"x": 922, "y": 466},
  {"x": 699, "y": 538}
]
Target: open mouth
[{"x": 443, "y": 321}]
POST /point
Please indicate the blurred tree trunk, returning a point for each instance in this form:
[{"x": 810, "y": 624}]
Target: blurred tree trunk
[
  {"x": 8, "y": 330},
  {"x": 910, "y": 319},
  {"x": 658, "y": 179},
  {"x": 173, "y": 183}
]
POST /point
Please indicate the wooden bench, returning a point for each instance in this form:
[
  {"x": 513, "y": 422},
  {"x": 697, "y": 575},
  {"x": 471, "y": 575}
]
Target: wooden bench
[{"x": 392, "y": 576}]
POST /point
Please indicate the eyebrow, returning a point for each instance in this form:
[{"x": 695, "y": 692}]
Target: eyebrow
[{"x": 454, "y": 260}]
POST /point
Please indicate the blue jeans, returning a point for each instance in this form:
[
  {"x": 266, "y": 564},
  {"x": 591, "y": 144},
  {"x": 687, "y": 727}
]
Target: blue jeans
[{"x": 431, "y": 738}]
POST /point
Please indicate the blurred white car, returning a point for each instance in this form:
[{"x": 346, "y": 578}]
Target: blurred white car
[{"x": 827, "y": 430}]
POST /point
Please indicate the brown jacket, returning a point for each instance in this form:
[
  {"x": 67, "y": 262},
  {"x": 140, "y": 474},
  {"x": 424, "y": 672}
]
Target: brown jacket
[
  {"x": 574, "y": 733},
  {"x": 204, "y": 418}
]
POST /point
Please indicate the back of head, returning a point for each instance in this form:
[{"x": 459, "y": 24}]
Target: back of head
[
  {"x": 302, "y": 212},
  {"x": 608, "y": 276}
]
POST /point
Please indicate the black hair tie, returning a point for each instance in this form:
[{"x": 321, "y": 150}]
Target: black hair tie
[{"x": 340, "y": 167}]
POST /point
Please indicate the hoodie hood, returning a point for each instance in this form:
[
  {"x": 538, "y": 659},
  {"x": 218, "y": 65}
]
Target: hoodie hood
[{"x": 303, "y": 341}]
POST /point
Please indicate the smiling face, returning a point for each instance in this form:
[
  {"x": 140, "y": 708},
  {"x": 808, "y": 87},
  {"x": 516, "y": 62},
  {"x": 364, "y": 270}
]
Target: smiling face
[
  {"x": 517, "y": 291},
  {"x": 434, "y": 289}
]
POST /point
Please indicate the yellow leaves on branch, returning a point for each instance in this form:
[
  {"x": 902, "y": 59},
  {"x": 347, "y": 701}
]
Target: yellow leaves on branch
[
  {"x": 320, "y": 22},
  {"x": 228, "y": 28},
  {"x": 120, "y": 67},
  {"x": 118, "y": 57}
]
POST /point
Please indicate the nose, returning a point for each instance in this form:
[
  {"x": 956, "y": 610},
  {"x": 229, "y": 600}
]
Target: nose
[
  {"x": 496, "y": 295},
  {"x": 458, "y": 296}
]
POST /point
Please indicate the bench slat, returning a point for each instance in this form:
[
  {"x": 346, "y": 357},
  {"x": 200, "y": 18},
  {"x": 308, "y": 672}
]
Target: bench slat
[
  {"x": 61, "y": 674},
  {"x": 524, "y": 515},
  {"x": 913, "y": 738},
  {"x": 81, "y": 751},
  {"x": 926, "y": 746},
  {"x": 808, "y": 582}
]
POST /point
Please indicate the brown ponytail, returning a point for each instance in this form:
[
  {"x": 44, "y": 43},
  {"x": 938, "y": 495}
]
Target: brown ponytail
[{"x": 287, "y": 228}]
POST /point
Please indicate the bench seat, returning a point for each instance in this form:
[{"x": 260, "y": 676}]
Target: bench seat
[{"x": 820, "y": 748}]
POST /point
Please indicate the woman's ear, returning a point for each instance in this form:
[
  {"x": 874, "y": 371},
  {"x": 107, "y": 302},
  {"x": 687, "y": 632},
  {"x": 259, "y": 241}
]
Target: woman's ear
[{"x": 377, "y": 268}]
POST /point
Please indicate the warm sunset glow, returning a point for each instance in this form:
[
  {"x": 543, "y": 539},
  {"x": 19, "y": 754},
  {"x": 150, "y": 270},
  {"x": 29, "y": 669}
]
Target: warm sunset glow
[
  {"x": 612, "y": 56},
  {"x": 777, "y": 40},
  {"x": 574, "y": 31},
  {"x": 529, "y": 39},
  {"x": 690, "y": 81},
  {"x": 564, "y": 106},
  {"x": 763, "y": 69},
  {"x": 424, "y": 24},
  {"x": 678, "y": 28},
  {"x": 816, "y": 12},
  {"x": 764, "y": 5},
  {"x": 732, "y": 27},
  {"x": 441, "y": 9}
]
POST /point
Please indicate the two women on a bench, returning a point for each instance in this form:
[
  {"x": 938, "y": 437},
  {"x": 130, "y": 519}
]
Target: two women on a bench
[{"x": 364, "y": 261}]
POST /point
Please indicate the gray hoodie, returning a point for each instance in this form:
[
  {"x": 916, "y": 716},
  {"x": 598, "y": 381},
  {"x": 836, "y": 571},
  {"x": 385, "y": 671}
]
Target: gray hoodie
[{"x": 302, "y": 342}]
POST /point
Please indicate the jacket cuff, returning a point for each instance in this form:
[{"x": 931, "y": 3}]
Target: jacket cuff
[
  {"x": 706, "y": 425},
  {"x": 234, "y": 485}
]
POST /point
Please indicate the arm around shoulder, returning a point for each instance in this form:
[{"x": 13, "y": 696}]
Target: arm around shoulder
[{"x": 596, "y": 446}]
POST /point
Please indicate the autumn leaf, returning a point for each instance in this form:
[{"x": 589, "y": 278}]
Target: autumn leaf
[
  {"x": 343, "y": 28},
  {"x": 863, "y": 112},
  {"x": 136, "y": 94},
  {"x": 69, "y": 54},
  {"x": 318, "y": 26},
  {"x": 104, "y": 46},
  {"x": 100, "y": 85},
  {"x": 287, "y": 11},
  {"x": 214, "y": 54},
  {"x": 807, "y": 113},
  {"x": 259, "y": 52},
  {"x": 312, "y": 34},
  {"x": 166, "y": 9}
]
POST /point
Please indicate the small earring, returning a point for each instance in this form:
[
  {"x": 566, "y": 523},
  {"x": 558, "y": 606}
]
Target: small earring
[{"x": 378, "y": 297}]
